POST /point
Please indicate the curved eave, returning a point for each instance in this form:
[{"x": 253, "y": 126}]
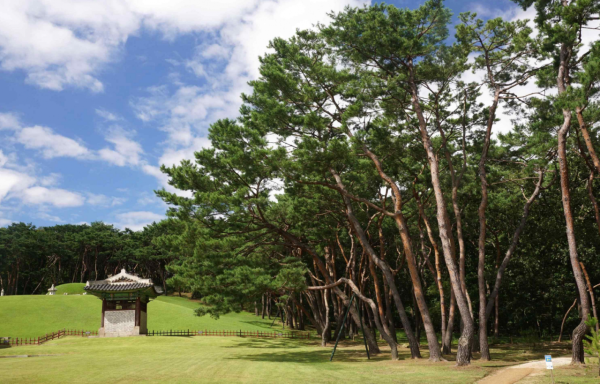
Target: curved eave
[{"x": 149, "y": 291}]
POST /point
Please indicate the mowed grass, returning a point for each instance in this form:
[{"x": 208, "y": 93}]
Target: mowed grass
[
  {"x": 33, "y": 316},
  {"x": 217, "y": 360},
  {"x": 71, "y": 289},
  {"x": 568, "y": 374},
  {"x": 220, "y": 359}
]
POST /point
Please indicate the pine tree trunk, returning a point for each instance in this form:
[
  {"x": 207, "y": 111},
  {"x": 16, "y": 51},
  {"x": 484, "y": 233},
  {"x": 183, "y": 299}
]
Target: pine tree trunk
[
  {"x": 463, "y": 356},
  {"x": 450, "y": 328},
  {"x": 359, "y": 232}
]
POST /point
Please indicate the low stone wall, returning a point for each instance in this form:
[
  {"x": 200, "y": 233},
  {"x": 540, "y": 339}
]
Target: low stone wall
[{"x": 119, "y": 323}]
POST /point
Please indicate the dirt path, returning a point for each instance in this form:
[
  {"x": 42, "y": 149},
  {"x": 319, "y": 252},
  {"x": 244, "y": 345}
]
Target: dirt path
[{"x": 516, "y": 373}]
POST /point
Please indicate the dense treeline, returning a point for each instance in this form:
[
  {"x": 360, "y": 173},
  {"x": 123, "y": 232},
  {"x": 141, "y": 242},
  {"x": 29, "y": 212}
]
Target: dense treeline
[
  {"x": 362, "y": 163},
  {"x": 32, "y": 259}
]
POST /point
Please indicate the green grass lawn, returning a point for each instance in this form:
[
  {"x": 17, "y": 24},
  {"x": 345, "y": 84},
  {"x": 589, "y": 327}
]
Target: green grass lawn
[
  {"x": 221, "y": 359},
  {"x": 568, "y": 375},
  {"x": 32, "y": 316},
  {"x": 217, "y": 360},
  {"x": 241, "y": 360},
  {"x": 71, "y": 289}
]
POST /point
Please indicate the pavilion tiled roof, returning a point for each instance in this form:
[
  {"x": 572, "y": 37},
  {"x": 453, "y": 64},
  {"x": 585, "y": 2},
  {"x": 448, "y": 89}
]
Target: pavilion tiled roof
[
  {"x": 117, "y": 287},
  {"x": 121, "y": 282}
]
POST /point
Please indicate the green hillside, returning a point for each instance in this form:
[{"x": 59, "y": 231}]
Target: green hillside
[
  {"x": 71, "y": 289},
  {"x": 31, "y": 316}
]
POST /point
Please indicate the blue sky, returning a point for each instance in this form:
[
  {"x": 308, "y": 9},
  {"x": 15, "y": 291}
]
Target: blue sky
[{"x": 95, "y": 95}]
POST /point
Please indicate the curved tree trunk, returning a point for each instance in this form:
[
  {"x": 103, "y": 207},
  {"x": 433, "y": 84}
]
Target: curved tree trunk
[
  {"x": 483, "y": 340},
  {"x": 387, "y": 273},
  {"x": 581, "y": 329},
  {"x": 463, "y": 355},
  {"x": 447, "y": 342}
]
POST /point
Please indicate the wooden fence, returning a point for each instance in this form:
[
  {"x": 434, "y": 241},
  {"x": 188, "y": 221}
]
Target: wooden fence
[
  {"x": 240, "y": 333},
  {"x": 17, "y": 341}
]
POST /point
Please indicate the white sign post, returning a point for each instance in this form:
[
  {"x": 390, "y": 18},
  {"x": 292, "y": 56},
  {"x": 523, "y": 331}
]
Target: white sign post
[{"x": 550, "y": 366}]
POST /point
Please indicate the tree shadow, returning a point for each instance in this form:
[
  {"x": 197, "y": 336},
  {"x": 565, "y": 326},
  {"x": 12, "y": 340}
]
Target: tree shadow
[
  {"x": 268, "y": 343},
  {"x": 308, "y": 357}
]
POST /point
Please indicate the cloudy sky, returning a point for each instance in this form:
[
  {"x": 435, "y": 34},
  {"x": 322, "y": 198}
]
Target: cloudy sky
[{"x": 95, "y": 95}]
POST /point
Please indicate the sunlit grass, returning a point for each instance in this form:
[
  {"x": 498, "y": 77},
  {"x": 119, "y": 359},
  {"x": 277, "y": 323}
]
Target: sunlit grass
[{"x": 32, "y": 316}]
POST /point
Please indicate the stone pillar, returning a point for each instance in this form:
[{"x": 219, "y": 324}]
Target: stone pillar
[
  {"x": 137, "y": 311},
  {"x": 103, "y": 310}
]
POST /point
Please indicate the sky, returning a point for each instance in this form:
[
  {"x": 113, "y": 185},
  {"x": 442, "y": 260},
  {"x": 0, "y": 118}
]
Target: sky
[{"x": 96, "y": 95}]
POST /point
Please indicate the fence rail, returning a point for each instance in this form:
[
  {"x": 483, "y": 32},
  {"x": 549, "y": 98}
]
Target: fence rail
[
  {"x": 240, "y": 333},
  {"x": 17, "y": 341}
]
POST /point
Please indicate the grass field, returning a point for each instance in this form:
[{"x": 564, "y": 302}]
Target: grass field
[
  {"x": 216, "y": 360},
  {"x": 242, "y": 360},
  {"x": 71, "y": 289},
  {"x": 32, "y": 316},
  {"x": 568, "y": 375},
  {"x": 221, "y": 359}
]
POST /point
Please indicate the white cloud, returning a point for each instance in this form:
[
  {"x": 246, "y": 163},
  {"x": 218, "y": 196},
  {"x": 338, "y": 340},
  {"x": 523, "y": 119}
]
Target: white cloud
[
  {"x": 5, "y": 222},
  {"x": 50, "y": 180},
  {"x": 107, "y": 115},
  {"x": 49, "y": 143},
  {"x": 12, "y": 181},
  {"x": 57, "y": 197},
  {"x": 9, "y": 121},
  {"x": 60, "y": 43},
  {"x": 126, "y": 151},
  {"x": 186, "y": 112},
  {"x": 63, "y": 43},
  {"x": 137, "y": 220},
  {"x": 3, "y": 158},
  {"x": 49, "y": 217},
  {"x": 103, "y": 200},
  {"x": 173, "y": 156},
  {"x": 149, "y": 200}
]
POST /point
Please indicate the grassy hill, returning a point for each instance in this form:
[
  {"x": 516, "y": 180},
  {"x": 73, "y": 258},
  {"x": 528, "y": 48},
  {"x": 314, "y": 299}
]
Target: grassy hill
[
  {"x": 71, "y": 289},
  {"x": 32, "y": 316}
]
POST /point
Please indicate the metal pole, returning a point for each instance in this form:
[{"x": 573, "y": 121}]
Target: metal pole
[{"x": 337, "y": 340}]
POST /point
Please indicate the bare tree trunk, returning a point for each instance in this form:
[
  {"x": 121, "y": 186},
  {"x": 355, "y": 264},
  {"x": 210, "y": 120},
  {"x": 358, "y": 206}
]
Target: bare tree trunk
[
  {"x": 438, "y": 271},
  {"x": 565, "y": 318},
  {"x": 591, "y": 291},
  {"x": 373, "y": 313},
  {"x": 327, "y": 329},
  {"x": 378, "y": 297},
  {"x": 562, "y": 81},
  {"x": 463, "y": 355},
  {"x": 483, "y": 340},
  {"x": 388, "y": 311},
  {"x": 358, "y": 231},
  {"x": 513, "y": 245},
  {"x": 450, "y": 329}
]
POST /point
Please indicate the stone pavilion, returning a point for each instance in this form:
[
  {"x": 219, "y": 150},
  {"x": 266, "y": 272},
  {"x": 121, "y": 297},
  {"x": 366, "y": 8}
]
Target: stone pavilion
[{"x": 125, "y": 300}]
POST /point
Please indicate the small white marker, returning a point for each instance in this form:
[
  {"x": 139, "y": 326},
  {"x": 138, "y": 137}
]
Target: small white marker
[{"x": 550, "y": 366}]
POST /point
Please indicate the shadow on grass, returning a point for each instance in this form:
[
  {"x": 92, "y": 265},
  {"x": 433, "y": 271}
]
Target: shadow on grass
[
  {"x": 520, "y": 352},
  {"x": 288, "y": 351},
  {"x": 309, "y": 357},
  {"x": 267, "y": 343}
]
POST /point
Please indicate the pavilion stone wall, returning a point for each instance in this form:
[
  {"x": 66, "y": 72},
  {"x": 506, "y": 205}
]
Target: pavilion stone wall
[{"x": 119, "y": 322}]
